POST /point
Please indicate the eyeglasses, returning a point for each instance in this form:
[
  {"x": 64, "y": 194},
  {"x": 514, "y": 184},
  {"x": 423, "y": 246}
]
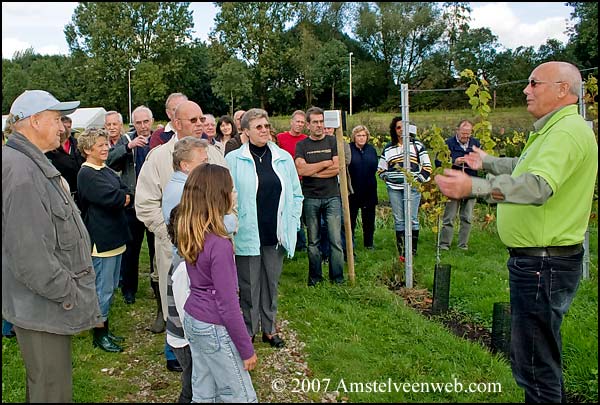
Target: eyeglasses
[
  {"x": 195, "y": 119},
  {"x": 260, "y": 127},
  {"x": 533, "y": 83},
  {"x": 399, "y": 127}
]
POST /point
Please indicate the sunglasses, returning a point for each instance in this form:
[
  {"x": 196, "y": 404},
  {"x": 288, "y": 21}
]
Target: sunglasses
[
  {"x": 400, "y": 127},
  {"x": 195, "y": 119},
  {"x": 533, "y": 83},
  {"x": 260, "y": 127}
]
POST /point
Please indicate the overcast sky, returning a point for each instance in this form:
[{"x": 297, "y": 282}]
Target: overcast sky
[{"x": 40, "y": 25}]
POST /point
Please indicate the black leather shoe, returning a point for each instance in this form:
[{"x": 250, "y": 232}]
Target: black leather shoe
[
  {"x": 103, "y": 342},
  {"x": 274, "y": 341},
  {"x": 114, "y": 338},
  {"x": 129, "y": 299},
  {"x": 173, "y": 365}
]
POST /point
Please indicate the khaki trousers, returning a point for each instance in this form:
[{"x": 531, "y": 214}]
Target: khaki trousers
[
  {"x": 49, "y": 372},
  {"x": 163, "y": 255}
]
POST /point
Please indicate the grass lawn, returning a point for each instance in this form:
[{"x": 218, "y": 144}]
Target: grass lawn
[{"x": 359, "y": 339}]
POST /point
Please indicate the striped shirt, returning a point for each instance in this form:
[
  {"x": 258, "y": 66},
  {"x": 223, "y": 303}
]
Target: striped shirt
[{"x": 391, "y": 163}]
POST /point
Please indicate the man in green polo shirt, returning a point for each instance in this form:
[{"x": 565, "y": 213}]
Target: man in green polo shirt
[{"x": 544, "y": 202}]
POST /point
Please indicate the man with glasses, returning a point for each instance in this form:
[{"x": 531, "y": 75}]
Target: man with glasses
[
  {"x": 210, "y": 128},
  {"x": 154, "y": 176},
  {"x": 126, "y": 156},
  {"x": 544, "y": 202},
  {"x": 459, "y": 145},
  {"x": 317, "y": 162}
]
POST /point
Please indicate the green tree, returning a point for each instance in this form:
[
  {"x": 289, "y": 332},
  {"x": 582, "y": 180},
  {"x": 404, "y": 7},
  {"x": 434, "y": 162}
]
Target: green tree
[
  {"x": 553, "y": 49},
  {"x": 232, "y": 82},
  {"x": 401, "y": 35},
  {"x": 457, "y": 17},
  {"x": 304, "y": 57},
  {"x": 107, "y": 39},
  {"x": 332, "y": 65},
  {"x": 511, "y": 72},
  {"x": 14, "y": 81},
  {"x": 584, "y": 34},
  {"x": 29, "y": 70},
  {"x": 252, "y": 32},
  {"x": 476, "y": 48}
]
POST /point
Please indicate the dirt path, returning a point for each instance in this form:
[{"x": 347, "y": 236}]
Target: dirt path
[{"x": 273, "y": 379}]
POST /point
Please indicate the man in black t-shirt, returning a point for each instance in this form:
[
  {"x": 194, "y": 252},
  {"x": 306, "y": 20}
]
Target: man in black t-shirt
[{"x": 317, "y": 162}]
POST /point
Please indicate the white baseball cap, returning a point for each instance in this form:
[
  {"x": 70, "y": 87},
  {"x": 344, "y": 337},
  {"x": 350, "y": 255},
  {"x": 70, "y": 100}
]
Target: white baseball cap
[{"x": 34, "y": 101}]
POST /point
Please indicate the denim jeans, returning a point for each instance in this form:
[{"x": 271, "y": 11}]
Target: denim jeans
[
  {"x": 218, "y": 373},
  {"x": 108, "y": 270},
  {"x": 130, "y": 262},
  {"x": 169, "y": 355},
  {"x": 330, "y": 208},
  {"x": 541, "y": 291},
  {"x": 397, "y": 203},
  {"x": 7, "y": 329},
  {"x": 301, "y": 239},
  {"x": 324, "y": 246}
]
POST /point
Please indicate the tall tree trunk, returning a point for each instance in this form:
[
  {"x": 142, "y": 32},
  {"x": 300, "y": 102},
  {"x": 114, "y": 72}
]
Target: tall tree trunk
[{"x": 333, "y": 96}]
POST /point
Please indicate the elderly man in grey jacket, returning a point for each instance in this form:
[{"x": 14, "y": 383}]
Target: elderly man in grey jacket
[{"x": 48, "y": 282}]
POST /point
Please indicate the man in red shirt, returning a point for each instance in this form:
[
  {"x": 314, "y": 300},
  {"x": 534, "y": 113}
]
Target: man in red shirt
[{"x": 287, "y": 141}]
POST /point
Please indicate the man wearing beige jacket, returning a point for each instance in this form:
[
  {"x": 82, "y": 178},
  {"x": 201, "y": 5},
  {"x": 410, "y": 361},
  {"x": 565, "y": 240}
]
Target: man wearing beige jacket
[{"x": 154, "y": 176}]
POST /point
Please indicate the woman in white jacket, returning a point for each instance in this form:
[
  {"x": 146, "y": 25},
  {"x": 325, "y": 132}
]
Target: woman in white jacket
[{"x": 269, "y": 209}]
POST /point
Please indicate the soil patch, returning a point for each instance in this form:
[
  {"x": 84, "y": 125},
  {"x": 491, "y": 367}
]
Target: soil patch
[{"x": 421, "y": 300}]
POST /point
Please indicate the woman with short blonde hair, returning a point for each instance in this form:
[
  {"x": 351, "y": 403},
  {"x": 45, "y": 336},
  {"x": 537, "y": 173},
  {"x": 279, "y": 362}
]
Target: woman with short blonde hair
[
  {"x": 363, "y": 169},
  {"x": 102, "y": 200}
]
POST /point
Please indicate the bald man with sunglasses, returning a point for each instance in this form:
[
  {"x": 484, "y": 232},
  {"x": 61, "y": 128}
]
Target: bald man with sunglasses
[
  {"x": 544, "y": 202},
  {"x": 154, "y": 176}
]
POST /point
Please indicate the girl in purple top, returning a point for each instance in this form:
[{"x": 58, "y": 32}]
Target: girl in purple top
[{"x": 222, "y": 352}]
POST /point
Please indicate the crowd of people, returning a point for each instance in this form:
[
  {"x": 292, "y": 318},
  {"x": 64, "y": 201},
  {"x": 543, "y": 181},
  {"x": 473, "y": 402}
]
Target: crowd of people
[{"x": 223, "y": 202}]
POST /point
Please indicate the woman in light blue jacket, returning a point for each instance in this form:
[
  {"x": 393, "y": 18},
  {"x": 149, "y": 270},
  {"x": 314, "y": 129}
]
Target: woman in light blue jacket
[{"x": 269, "y": 209}]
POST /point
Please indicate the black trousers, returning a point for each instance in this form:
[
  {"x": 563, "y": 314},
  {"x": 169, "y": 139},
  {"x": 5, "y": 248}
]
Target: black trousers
[
  {"x": 368, "y": 222},
  {"x": 130, "y": 265}
]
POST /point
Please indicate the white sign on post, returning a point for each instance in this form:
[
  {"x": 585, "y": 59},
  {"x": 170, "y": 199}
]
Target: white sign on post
[{"x": 331, "y": 118}]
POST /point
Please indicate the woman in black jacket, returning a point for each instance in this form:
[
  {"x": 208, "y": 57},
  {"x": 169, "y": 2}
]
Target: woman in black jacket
[
  {"x": 102, "y": 199},
  {"x": 362, "y": 169}
]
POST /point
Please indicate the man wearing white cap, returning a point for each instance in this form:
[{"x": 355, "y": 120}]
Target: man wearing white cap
[{"x": 48, "y": 282}]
